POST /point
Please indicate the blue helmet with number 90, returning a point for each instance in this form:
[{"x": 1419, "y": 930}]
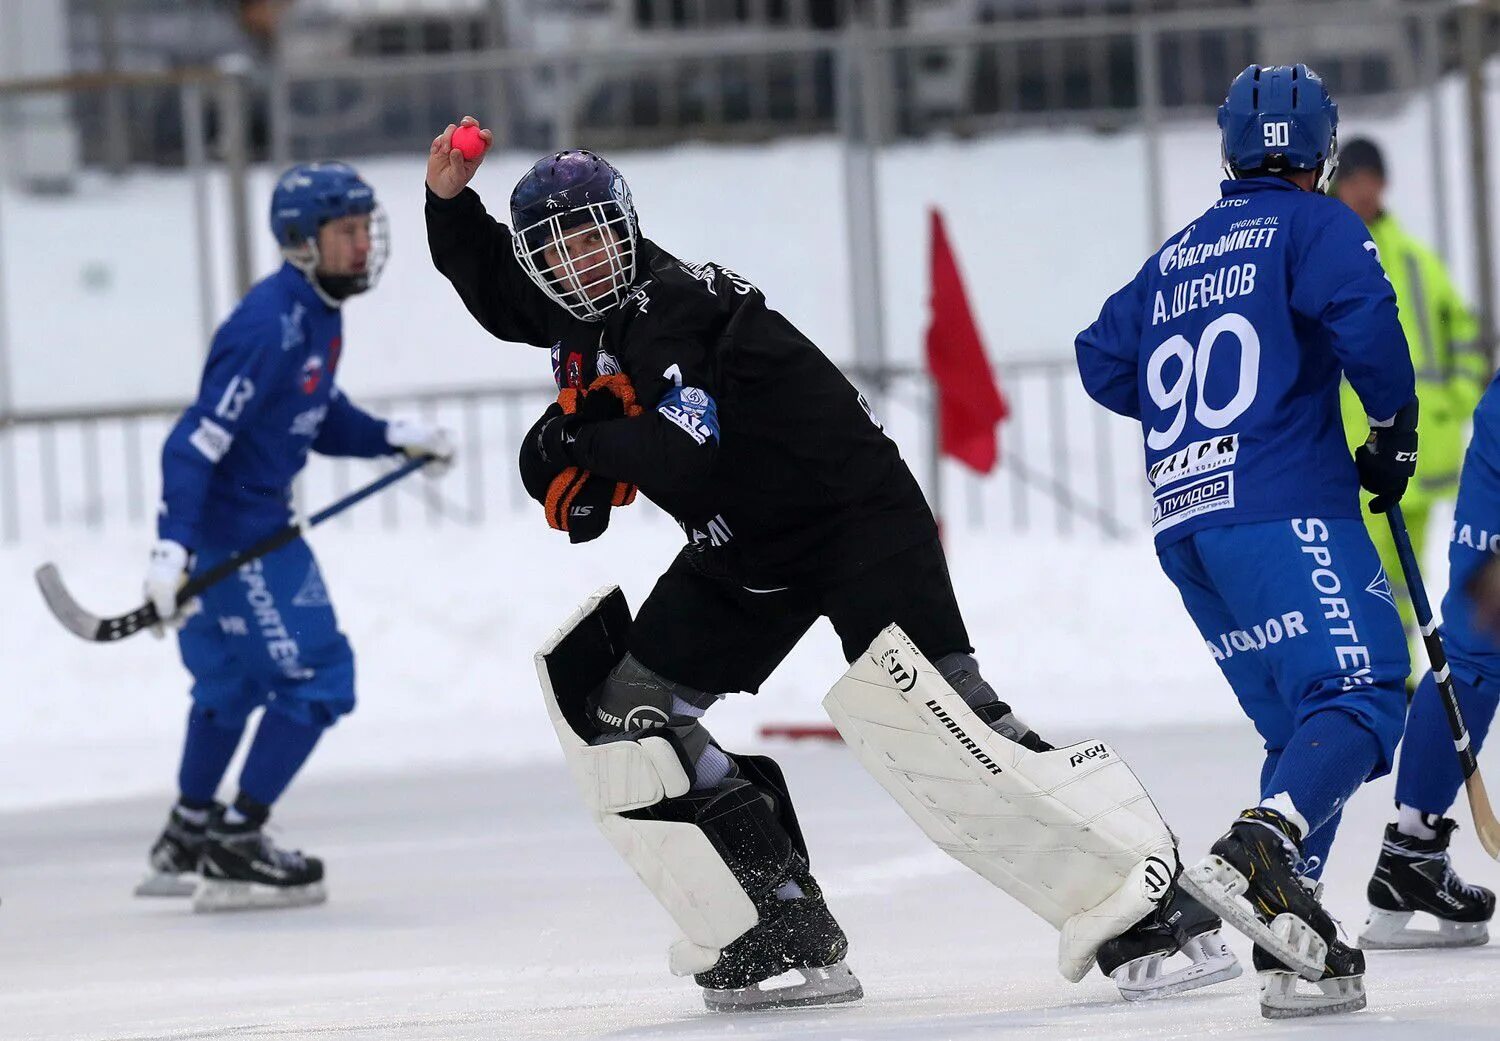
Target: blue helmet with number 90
[{"x": 1279, "y": 118}]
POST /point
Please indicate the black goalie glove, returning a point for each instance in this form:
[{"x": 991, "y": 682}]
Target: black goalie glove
[
  {"x": 574, "y": 500},
  {"x": 1388, "y": 460}
]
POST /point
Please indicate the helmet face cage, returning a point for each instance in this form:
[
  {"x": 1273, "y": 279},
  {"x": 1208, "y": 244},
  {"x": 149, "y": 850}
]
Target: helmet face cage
[
  {"x": 583, "y": 258},
  {"x": 306, "y": 256}
]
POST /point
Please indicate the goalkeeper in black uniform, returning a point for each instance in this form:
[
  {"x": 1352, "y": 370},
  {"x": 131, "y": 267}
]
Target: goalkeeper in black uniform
[{"x": 678, "y": 380}]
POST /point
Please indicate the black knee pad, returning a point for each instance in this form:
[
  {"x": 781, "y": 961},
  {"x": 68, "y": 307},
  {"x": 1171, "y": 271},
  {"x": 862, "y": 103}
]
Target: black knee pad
[{"x": 633, "y": 698}]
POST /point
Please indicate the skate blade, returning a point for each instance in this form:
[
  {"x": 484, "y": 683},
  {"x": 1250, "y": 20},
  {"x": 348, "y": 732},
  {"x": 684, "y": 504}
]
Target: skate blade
[
  {"x": 1285, "y": 995},
  {"x": 1217, "y": 885},
  {"x": 162, "y": 883},
  {"x": 834, "y": 985},
  {"x": 1212, "y": 962},
  {"x": 217, "y": 894},
  {"x": 1390, "y": 931}
]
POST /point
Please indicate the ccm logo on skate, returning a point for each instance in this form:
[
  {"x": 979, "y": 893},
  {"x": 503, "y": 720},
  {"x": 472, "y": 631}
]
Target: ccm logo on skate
[
  {"x": 963, "y": 739},
  {"x": 904, "y": 678},
  {"x": 1093, "y": 752}
]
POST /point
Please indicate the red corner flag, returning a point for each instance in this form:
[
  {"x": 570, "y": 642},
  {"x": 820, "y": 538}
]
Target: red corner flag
[{"x": 970, "y": 405}]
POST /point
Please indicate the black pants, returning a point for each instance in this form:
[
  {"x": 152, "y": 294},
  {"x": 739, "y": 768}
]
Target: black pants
[{"x": 719, "y": 638}]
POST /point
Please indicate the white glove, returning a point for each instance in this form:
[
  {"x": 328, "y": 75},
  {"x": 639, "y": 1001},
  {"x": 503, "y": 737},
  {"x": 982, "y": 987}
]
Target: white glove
[
  {"x": 416, "y": 437},
  {"x": 165, "y": 574}
]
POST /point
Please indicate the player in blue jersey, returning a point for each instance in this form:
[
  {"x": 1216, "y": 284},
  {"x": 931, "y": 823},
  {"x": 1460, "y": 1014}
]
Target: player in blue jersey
[
  {"x": 266, "y": 638},
  {"x": 1414, "y": 874},
  {"x": 1228, "y": 346}
]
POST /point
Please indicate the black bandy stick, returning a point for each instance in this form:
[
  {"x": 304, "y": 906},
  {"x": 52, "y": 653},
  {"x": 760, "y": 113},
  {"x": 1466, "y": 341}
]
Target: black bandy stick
[
  {"x": 95, "y": 629},
  {"x": 1479, "y": 800}
]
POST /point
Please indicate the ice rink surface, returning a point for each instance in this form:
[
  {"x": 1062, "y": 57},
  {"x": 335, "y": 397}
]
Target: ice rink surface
[{"x": 482, "y": 904}]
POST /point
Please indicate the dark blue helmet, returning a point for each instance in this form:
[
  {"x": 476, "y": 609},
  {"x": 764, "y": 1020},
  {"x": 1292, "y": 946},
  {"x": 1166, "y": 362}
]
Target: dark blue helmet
[
  {"x": 1278, "y": 118},
  {"x": 311, "y": 195},
  {"x": 575, "y": 231},
  {"x": 307, "y": 197}
]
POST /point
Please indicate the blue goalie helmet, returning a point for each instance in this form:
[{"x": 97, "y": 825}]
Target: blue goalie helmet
[
  {"x": 310, "y": 195},
  {"x": 1278, "y": 118},
  {"x": 574, "y": 232}
]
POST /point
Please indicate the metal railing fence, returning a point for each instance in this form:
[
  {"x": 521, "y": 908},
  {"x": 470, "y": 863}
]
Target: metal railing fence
[{"x": 1066, "y": 465}]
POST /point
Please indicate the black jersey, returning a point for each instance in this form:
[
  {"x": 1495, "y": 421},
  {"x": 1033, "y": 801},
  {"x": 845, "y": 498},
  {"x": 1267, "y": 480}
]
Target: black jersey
[{"x": 752, "y": 439}]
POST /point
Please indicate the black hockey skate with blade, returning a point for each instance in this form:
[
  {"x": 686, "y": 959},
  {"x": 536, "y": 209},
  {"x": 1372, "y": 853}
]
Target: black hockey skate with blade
[
  {"x": 174, "y": 855},
  {"x": 1251, "y": 877},
  {"x": 793, "y": 936},
  {"x": 1284, "y": 994},
  {"x": 1180, "y": 925},
  {"x": 1416, "y": 876},
  {"x": 243, "y": 869}
]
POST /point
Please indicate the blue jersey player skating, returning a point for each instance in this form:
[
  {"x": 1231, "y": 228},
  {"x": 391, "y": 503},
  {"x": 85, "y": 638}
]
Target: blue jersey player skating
[
  {"x": 1413, "y": 874},
  {"x": 267, "y": 637},
  {"x": 1228, "y": 346}
]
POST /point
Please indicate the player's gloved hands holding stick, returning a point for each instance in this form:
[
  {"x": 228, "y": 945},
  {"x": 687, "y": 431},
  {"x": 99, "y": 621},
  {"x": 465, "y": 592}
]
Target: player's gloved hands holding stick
[
  {"x": 1388, "y": 460},
  {"x": 166, "y": 573},
  {"x": 451, "y": 166},
  {"x": 417, "y": 438}
]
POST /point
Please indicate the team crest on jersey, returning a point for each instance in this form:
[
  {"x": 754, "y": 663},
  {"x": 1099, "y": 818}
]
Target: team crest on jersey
[
  {"x": 606, "y": 364},
  {"x": 574, "y": 373},
  {"x": 693, "y": 410},
  {"x": 291, "y": 327},
  {"x": 312, "y": 374}
]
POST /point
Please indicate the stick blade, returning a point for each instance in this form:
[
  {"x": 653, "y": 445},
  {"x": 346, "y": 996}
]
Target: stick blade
[
  {"x": 62, "y": 605},
  {"x": 1485, "y": 824}
]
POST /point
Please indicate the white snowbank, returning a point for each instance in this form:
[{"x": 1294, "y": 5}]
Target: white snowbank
[{"x": 1078, "y": 635}]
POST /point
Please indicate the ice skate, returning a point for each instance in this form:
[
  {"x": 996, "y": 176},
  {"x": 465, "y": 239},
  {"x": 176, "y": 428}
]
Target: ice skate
[
  {"x": 1415, "y": 877},
  {"x": 760, "y": 970},
  {"x": 174, "y": 855},
  {"x": 1142, "y": 960},
  {"x": 242, "y": 869},
  {"x": 1251, "y": 878},
  {"x": 1285, "y": 994}
]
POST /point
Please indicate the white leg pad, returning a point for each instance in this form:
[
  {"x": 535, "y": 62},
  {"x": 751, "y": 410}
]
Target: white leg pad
[
  {"x": 676, "y": 860},
  {"x": 1070, "y": 833}
]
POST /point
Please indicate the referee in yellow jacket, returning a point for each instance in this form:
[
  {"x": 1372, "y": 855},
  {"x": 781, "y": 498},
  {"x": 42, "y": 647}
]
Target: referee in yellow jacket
[{"x": 1452, "y": 366}]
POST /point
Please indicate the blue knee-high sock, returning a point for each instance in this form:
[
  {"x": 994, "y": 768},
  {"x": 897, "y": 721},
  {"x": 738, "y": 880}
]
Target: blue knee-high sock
[
  {"x": 282, "y": 744},
  {"x": 1268, "y": 770},
  {"x": 1316, "y": 846},
  {"x": 206, "y": 751},
  {"x": 1428, "y": 777},
  {"x": 1325, "y": 762}
]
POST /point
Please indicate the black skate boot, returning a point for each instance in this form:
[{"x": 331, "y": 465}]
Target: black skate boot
[
  {"x": 1179, "y": 925},
  {"x": 798, "y": 935},
  {"x": 1415, "y": 875},
  {"x": 750, "y": 819},
  {"x": 174, "y": 855},
  {"x": 1252, "y": 878},
  {"x": 1284, "y": 994},
  {"x": 242, "y": 868}
]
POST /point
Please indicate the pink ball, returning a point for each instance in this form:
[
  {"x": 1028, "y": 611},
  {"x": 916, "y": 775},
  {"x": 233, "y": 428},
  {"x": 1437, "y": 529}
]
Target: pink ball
[{"x": 467, "y": 140}]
